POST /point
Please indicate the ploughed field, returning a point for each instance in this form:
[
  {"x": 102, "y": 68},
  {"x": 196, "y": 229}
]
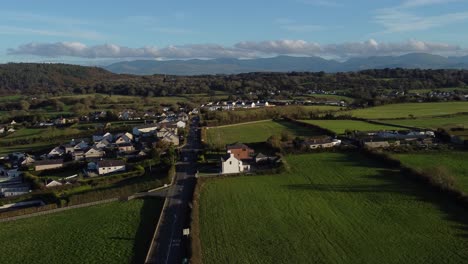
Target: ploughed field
[
  {"x": 340, "y": 126},
  {"x": 455, "y": 163},
  {"x": 252, "y": 132},
  {"x": 406, "y": 109},
  {"x": 117, "y": 232},
  {"x": 329, "y": 208}
]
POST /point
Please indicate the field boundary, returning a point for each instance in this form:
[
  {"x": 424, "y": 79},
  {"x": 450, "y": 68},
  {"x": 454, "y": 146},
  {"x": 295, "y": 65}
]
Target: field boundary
[
  {"x": 237, "y": 124},
  {"x": 58, "y": 210},
  {"x": 158, "y": 224},
  {"x": 196, "y": 256}
]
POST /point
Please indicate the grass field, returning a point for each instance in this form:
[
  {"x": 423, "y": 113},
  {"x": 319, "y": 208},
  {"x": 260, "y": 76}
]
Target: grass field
[
  {"x": 111, "y": 233},
  {"x": 455, "y": 162},
  {"x": 340, "y": 126},
  {"x": 321, "y": 108},
  {"x": 415, "y": 109},
  {"x": 433, "y": 122},
  {"x": 330, "y": 208},
  {"x": 254, "y": 132}
]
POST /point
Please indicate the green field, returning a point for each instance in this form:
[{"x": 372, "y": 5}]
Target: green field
[
  {"x": 321, "y": 108},
  {"x": 455, "y": 162},
  {"x": 254, "y": 132},
  {"x": 433, "y": 122},
  {"x": 117, "y": 232},
  {"x": 407, "y": 109},
  {"x": 340, "y": 126},
  {"x": 330, "y": 208}
]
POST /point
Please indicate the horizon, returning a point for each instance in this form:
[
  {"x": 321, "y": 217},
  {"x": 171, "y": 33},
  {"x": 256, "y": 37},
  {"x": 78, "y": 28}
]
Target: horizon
[{"x": 76, "y": 34}]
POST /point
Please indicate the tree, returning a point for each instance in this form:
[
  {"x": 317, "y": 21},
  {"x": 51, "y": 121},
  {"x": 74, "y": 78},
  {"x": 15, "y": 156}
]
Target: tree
[{"x": 24, "y": 105}]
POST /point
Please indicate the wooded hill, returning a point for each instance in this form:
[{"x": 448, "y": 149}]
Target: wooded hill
[{"x": 57, "y": 79}]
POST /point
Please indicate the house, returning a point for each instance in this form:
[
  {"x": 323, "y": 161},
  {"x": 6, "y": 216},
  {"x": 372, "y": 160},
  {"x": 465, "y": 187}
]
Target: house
[
  {"x": 183, "y": 117},
  {"x": 107, "y": 136},
  {"x": 150, "y": 128},
  {"x": 125, "y": 147},
  {"x": 322, "y": 142},
  {"x": 14, "y": 190},
  {"x": 79, "y": 146},
  {"x": 94, "y": 153},
  {"x": 240, "y": 151},
  {"x": 53, "y": 183},
  {"x": 48, "y": 164},
  {"x": 379, "y": 143},
  {"x": 161, "y": 132},
  {"x": 78, "y": 155},
  {"x": 110, "y": 166},
  {"x": 27, "y": 160},
  {"x": 101, "y": 144},
  {"x": 56, "y": 152},
  {"x": 180, "y": 124},
  {"x": 124, "y": 138},
  {"x": 230, "y": 164},
  {"x": 2, "y": 130},
  {"x": 171, "y": 138}
]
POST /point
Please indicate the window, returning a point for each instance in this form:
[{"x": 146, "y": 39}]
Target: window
[{"x": 230, "y": 163}]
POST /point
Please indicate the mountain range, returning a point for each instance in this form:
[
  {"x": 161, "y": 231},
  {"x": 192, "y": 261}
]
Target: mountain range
[{"x": 286, "y": 64}]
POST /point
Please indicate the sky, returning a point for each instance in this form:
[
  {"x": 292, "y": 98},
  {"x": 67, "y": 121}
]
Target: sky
[{"x": 101, "y": 31}]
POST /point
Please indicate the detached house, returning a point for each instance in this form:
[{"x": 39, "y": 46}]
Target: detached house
[{"x": 230, "y": 164}]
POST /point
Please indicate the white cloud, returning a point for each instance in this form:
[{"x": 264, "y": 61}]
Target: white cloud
[
  {"x": 402, "y": 18},
  {"x": 396, "y": 20},
  {"x": 8, "y": 30},
  {"x": 418, "y": 3},
  {"x": 246, "y": 49}
]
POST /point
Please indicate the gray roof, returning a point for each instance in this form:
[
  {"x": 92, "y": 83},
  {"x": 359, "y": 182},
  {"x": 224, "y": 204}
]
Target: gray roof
[
  {"x": 110, "y": 163},
  {"x": 48, "y": 162}
]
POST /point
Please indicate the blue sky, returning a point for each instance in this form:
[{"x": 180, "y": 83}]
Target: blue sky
[{"x": 99, "y": 31}]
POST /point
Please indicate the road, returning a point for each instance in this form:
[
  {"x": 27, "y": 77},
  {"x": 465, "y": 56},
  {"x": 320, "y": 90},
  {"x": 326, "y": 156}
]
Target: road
[{"x": 170, "y": 245}]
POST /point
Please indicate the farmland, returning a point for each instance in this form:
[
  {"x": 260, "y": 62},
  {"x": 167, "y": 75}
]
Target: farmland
[
  {"x": 407, "y": 109},
  {"x": 330, "y": 208},
  {"x": 433, "y": 122},
  {"x": 254, "y": 132},
  {"x": 111, "y": 233},
  {"x": 340, "y": 126},
  {"x": 455, "y": 162}
]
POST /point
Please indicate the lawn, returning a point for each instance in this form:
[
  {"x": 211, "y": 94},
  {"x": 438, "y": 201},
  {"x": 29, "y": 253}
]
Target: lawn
[
  {"x": 433, "y": 122},
  {"x": 455, "y": 162},
  {"x": 340, "y": 126},
  {"x": 330, "y": 208},
  {"x": 407, "y": 109},
  {"x": 254, "y": 132},
  {"x": 117, "y": 232}
]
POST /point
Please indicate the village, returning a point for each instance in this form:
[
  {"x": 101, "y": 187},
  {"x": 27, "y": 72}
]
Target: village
[{"x": 100, "y": 155}]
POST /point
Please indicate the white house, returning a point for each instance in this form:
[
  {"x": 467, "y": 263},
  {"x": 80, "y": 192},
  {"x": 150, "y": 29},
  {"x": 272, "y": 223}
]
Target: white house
[
  {"x": 231, "y": 164},
  {"x": 109, "y": 166}
]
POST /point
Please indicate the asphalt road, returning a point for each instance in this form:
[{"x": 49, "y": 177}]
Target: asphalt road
[{"x": 171, "y": 246}]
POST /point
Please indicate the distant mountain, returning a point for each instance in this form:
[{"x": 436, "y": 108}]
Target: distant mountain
[{"x": 286, "y": 64}]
